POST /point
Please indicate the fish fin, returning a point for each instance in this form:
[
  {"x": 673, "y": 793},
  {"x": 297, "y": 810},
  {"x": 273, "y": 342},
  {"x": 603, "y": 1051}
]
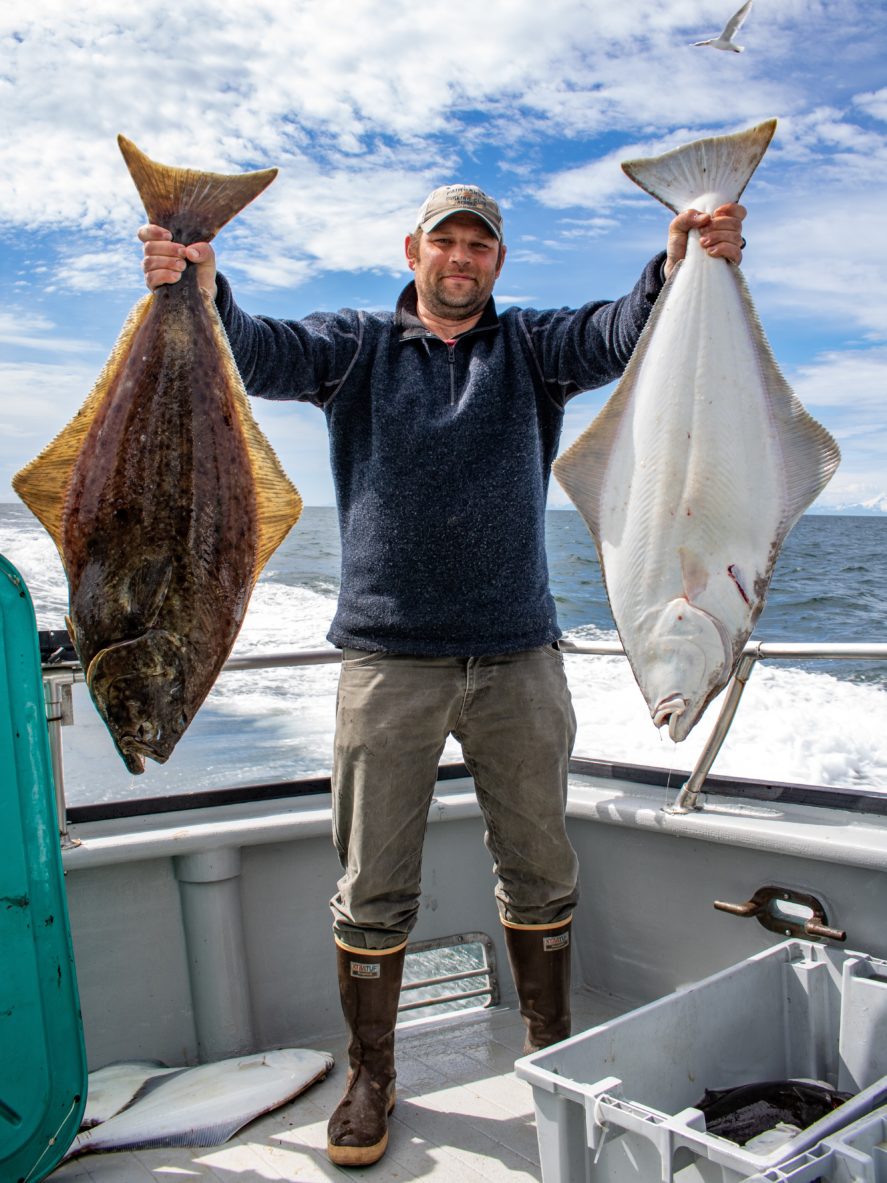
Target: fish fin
[
  {"x": 98, "y": 1107},
  {"x": 721, "y": 165},
  {"x": 80, "y": 1144},
  {"x": 694, "y": 574},
  {"x": 581, "y": 470},
  {"x": 277, "y": 500},
  {"x": 148, "y": 1074},
  {"x": 193, "y": 205},
  {"x": 810, "y": 454},
  {"x": 43, "y": 483}
]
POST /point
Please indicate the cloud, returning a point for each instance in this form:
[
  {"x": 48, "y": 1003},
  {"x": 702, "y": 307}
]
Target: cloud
[
  {"x": 874, "y": 104},
  {"x": 598, "y": 184},
  {"x": 813, "y": 205},
  {"x": 37, "y": 400},
  {"x": 25, "y": 329},
  {"x": 847, "y": 389},
  {"x": 813, "y": 253},
  {"x": 339, "y": 83},
  {"x": 38, "y": 395},
  {"x": 525, "y": 301},
  {"x": 84, "y": 270},
  {"x": 364, "y": 115},
  {"x": 365, "y": 106},
  {"x": 855, "y": 379}
]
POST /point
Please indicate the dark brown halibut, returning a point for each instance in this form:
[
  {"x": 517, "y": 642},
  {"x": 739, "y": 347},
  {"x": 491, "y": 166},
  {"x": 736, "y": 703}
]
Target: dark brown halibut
[{"x": 162, "y": 494}]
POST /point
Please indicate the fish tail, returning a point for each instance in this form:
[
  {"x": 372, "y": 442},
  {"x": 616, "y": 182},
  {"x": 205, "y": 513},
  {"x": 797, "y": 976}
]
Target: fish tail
[
  {"x": 717, "y": 168},
  {"x": 192, "y": 205}
]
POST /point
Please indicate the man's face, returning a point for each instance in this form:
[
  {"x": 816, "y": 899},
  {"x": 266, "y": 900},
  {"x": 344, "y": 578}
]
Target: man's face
[{"x": 456, "y": 266}]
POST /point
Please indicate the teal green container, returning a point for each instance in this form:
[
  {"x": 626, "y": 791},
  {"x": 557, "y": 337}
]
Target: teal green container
[{"x": 42, "y": 1057}]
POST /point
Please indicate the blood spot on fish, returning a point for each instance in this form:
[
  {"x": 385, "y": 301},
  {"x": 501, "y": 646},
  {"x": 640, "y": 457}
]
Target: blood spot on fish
[{"x": 731, "y": 571}]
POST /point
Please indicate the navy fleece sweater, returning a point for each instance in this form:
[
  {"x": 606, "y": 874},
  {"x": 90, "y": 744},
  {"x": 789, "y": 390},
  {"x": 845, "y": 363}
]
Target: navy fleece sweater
[{"x": 441, "y": 456}]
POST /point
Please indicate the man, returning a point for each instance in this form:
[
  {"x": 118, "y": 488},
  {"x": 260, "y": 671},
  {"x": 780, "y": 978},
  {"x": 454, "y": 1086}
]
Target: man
[{"x": 444, "y": 420}]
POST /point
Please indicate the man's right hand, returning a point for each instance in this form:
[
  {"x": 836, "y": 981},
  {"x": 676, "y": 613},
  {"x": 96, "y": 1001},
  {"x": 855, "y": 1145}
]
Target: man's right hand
[{"x": 164, "y": 260}]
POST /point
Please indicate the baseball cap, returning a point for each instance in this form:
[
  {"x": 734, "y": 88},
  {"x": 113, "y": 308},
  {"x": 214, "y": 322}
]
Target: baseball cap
[{"x": 455, "y": 199}]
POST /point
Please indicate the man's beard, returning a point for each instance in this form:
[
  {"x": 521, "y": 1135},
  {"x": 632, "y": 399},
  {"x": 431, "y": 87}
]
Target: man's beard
[{"x": 458, "y": 304}]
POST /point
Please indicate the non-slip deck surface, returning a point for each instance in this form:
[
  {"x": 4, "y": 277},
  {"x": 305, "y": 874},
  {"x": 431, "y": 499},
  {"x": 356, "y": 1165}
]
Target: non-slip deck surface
[{"x": 461, "y": 1117}]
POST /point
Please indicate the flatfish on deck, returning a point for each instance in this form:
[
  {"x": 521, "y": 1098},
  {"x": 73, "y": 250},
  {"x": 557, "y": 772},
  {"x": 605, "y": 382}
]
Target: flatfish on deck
[
  {"x": 162, "y": 495},
  {"x": 701, "y": 462},
  {"x": 206, "y": 1105}
]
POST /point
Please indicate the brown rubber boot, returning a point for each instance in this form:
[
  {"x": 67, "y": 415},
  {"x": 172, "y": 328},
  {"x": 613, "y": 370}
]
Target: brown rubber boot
[
  {"x": 369, "y": 986},
  {"x": 540, "y": 963}
]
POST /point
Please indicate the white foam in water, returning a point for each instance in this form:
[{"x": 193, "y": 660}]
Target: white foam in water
[
  {"x": 33, "y": 553},
  {"x": 270, "y": 725},
  {"x": 792, "y": 725}
]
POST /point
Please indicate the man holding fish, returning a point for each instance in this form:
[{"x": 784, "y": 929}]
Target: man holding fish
[{"x": 444, "y": 418}]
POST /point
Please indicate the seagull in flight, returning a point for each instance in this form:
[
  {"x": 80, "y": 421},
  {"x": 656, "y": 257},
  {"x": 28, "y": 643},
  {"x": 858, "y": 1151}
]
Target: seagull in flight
[{"x": 725, "y": 39}]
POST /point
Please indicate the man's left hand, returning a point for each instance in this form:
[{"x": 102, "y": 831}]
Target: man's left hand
[{"x": 720, "y": 234}]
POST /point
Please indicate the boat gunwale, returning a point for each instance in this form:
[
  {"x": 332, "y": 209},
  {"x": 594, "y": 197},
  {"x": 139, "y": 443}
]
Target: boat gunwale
[
  {"x": 814, "y": 833},
  {"x": 651, "y": 777},
  {"x": 58, "y": 673}
]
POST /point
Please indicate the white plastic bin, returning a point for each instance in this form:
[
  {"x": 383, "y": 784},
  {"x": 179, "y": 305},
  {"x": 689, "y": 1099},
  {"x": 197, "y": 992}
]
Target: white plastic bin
[
  {"x": 857, "y": 1154},
  {"x": 614, "y": 1104}
]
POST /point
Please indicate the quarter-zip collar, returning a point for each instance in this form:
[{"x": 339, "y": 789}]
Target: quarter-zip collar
[{"x": 410, "y": 327}]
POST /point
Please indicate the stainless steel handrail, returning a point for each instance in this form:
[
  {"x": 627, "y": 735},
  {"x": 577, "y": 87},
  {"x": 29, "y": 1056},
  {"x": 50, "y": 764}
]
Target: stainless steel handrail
[
  {"x": 59, "y": 679},
  {"x": 755, "y": 651},
  {"x": 849, "y": 650}
]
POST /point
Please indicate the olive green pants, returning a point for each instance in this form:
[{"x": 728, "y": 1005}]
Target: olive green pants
[{"x": 513, "y": 716}]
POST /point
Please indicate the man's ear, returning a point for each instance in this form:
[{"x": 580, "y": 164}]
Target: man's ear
[{"x": 411, "y": 262}]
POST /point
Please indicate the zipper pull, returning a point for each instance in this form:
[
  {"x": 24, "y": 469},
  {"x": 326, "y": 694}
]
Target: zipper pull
[{"x": 451, "y": 359}]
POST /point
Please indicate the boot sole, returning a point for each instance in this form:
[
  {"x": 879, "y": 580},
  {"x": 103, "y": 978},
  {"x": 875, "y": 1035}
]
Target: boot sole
[{"x": 359, "y": 1156}]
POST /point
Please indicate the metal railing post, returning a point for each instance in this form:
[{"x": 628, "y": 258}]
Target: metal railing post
[
  {"x": 689, "y": 795},
  {"x": 59, "y": 712}
]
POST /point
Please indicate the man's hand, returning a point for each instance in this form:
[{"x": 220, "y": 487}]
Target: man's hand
[
  {"x": 720, "y": 234},
  {"x": 164, "y": 260}
]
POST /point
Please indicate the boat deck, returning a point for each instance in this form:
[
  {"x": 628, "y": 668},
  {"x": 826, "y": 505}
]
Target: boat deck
[{"x": 461, "y": 1115}]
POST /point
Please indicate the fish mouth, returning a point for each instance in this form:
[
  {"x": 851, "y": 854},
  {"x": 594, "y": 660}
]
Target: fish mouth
[
  {"x": 135, "y": 747},
  {"x": 669, "y": 710},
  {"x": 132, "y": 757}
]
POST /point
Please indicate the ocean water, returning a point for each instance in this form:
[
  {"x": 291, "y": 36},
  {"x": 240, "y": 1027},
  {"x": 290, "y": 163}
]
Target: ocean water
[{"x": 821, "y": 723}]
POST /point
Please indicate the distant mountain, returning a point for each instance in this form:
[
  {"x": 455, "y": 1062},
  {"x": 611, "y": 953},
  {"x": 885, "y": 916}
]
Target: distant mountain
[{"x": 876, "y": 505}]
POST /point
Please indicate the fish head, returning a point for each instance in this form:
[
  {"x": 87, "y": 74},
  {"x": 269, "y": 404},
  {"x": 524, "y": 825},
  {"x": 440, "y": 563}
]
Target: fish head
[
  {"x": 138, "y": 687},
  {"x": 688, "y": 658}
]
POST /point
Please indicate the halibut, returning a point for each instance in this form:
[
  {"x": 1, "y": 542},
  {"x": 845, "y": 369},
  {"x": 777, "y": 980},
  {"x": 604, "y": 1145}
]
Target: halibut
[
  {"x": 206, "y": 1105},
  {"x": 702, "y": 460},
  {"x": 162, "y": 495}
]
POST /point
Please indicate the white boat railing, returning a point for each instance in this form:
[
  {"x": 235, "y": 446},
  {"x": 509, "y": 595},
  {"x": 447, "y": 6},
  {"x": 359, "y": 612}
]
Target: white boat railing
[
  {"x": 58, "y": 681},
  {"x": 754, "y": 651}
]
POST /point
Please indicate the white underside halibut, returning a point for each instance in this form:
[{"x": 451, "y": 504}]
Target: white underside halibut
[
  {"x": 696, "y": 469},
  {"x": 202, "y": 1106}
]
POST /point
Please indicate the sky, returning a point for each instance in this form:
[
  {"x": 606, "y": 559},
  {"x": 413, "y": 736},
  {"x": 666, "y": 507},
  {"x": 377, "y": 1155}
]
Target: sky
[{"x": 366, "y": 105}]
